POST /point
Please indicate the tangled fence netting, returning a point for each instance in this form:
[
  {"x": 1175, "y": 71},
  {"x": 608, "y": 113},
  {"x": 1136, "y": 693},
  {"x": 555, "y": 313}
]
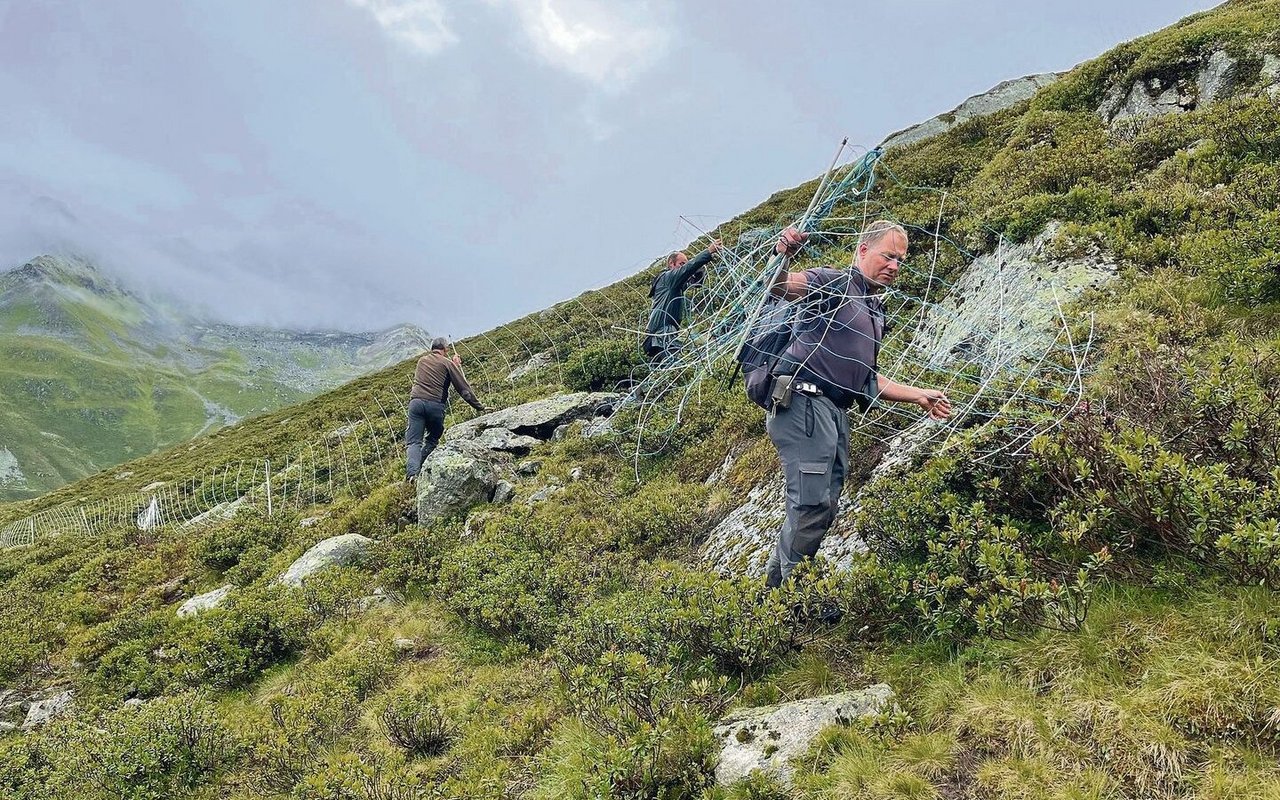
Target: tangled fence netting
[
  {"x": 992, "y": 334},
  {"x": 992, "y": 329}
]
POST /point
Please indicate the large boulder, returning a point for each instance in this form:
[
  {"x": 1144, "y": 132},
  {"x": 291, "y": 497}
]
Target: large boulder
[
  {"x": 44, "y": 711},
  {"x": 469, "y": 466},
  {"x": 770, "y": 737},
  {"x": 332, "y": 552},
  {"x": 454, "y": 479},
  {"x": 539, "y": 418},
  {"x": 206, "y": 601}
]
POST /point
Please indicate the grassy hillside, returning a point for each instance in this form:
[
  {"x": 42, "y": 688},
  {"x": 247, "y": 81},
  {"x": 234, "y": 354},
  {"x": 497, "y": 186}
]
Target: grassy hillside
[
  {"x": 1096, "y": 620},
  {"x": 92, "y": 374}
]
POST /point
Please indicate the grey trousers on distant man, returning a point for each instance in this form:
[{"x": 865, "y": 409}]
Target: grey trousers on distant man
[
  {"x": 425, "y": 418},
  {"x": 812, "y": 437}
]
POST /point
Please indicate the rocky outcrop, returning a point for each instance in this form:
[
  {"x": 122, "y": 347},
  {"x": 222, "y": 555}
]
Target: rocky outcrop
[
  {"x": 206, "y": 601},
  {"x": 997, "y": 98},
  {"x": 333, "y": 552},
  {"x": 1218, "y": 78},
  {"x": 535, "y": 363},
  {"x": 43, "y": 711},
  {"x": 469, "y": 466},
  {"x": 769, "y": 738}
]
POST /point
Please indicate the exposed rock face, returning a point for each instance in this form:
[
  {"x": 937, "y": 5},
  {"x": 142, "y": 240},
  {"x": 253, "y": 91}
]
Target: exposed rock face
[
  {"x": 45, "y": 711},
  {"x": 769, "y": 738},
  {"x": 1270, "y": 74},
  {"x": 332, "y": 552},
  {"x": 1143, "y": 99},
  {"x": 997, "y": 98},
  {"x": 1005, "y": 307},
  {"x": 468, "y": 467},
  {"x": 1219, "y": 77},
  {"x": 536, "y": 362},
  {"x": 206, "y": 601}
]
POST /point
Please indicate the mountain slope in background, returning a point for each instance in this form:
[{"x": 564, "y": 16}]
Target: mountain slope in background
[{"x": 93, "y": 374}]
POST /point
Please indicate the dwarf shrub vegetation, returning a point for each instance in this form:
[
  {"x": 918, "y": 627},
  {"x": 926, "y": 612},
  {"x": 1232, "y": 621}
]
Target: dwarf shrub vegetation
[{"x": 1096, "y": 619}]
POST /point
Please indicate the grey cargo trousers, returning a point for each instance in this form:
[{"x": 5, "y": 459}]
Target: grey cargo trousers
[{"x": 812, "y": 437}]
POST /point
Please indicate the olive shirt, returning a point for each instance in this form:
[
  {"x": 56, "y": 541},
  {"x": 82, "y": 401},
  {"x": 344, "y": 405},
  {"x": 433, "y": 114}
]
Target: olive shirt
[{"x": 433, "y": 376}]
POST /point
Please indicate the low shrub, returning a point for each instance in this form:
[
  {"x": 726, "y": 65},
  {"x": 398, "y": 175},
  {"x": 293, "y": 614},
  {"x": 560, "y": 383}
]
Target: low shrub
[
  {"x": 418, "y": 726},
  {"x": 604, "y": 365}
]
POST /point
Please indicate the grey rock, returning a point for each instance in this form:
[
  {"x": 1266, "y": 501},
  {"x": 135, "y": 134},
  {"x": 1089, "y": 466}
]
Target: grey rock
[
  {"x": 527, "y": 469},
  {"x": 575, "y": 474},
  {"x": 769, "y": 738},
  {"x": 372, "y": 601},
  {"x": 7, "y": 727},
  {"x": 561, "y": 432},
  {"x": 332, "y": 552},
  {"x": 504, "y": 492},
  {"x": 538, "y": 418},
  {"x": 135, "y": 703},
  {"x": 542, "y": 494},
  {"x": 151, "y": 487},
  {"x": 344, "y": 431},
  {"x": 1217, "y": 79},
  {"x": 536, "y": 362},
  {"x": 600, "y": 426},
  {"x": 503, "y": 440},
  {"x": 1145, "y": 99},
  {"x": 403, "y": 644},
  {"x": 452, "y": 481},
  {"x": 311, "y": 522},
  {"x": 206, "y": 601},
  {"x": 45, "y": 711},
  {"x": 997, "y": 98},
  {"x": 1270, "y": 74}
]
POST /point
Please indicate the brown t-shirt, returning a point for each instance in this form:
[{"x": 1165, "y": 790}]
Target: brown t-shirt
[{"x": 433, "y": 376}]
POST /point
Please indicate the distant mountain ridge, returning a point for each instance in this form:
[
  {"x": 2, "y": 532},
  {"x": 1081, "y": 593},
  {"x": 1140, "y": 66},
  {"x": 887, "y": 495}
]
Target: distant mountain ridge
[{"x": 93, "y": 373}]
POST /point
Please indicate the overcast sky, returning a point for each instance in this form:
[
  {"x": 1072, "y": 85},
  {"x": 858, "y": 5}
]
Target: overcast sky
[{"x": 458, "y": 163}]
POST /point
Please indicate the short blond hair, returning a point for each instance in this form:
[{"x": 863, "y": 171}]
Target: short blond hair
[{"x": 880, "y": 229}]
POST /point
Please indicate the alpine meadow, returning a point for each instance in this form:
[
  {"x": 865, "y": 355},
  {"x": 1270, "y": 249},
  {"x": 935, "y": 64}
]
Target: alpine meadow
[{"x": 1067, "y": 594}]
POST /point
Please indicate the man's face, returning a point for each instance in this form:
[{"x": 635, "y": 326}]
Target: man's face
[
  {"x": 679, "y": 260},
  {"x": 880, "y": 261}
]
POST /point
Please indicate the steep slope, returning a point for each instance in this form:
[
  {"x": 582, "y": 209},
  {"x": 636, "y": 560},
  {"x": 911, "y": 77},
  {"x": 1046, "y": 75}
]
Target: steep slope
[
  {"x": 1095, "y": 618},
  {"x": 92, "y": 374}
]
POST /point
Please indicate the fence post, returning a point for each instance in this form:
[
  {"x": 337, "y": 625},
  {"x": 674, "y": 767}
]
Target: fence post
[{"x": 267, "y": 469}]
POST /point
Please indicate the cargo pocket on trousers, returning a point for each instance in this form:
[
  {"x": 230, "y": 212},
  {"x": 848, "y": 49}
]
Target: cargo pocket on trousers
[{"x": 815, "y": 483}]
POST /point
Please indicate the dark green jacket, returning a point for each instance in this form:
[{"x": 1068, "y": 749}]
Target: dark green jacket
[{"x": 667, "y": 293}]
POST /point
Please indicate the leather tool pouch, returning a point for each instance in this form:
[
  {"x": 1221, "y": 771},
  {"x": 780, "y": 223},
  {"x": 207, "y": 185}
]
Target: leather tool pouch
[{"x": 780, "y": 394}]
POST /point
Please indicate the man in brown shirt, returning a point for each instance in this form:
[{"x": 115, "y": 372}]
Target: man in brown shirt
[{"x": 428, "y": 401}]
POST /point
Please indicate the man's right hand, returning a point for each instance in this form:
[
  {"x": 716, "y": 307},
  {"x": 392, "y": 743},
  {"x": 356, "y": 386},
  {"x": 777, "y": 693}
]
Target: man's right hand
[
  {"x": 714, "y": 247},
  {"x": 791, "y": 241}
]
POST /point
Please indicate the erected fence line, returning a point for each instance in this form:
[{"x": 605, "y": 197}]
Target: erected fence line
[{"x": 169, "y": 505}]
